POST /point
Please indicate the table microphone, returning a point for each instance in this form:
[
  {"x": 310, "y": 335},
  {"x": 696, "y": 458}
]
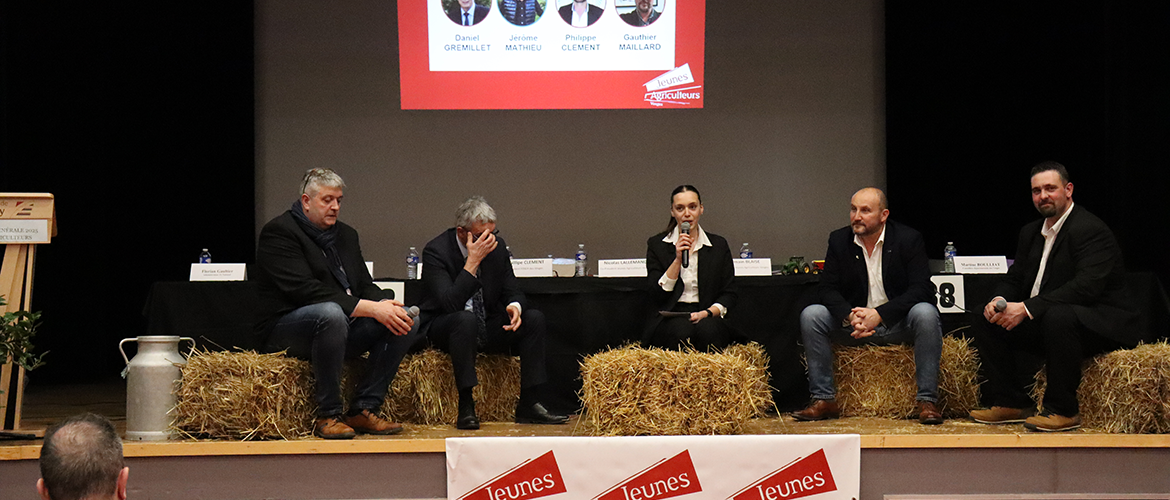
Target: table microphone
[
  {"x": 1000, "y": 305},
  {"x": 686, "y": 228}
]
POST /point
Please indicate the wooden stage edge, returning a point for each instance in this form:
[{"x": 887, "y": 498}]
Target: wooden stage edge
[{"x": 180, "y": 448}]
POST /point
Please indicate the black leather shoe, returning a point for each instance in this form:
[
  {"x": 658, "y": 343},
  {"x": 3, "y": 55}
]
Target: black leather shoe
[
  {"x": 467, "y": 418},
  {"x": 537, "y": 414}
]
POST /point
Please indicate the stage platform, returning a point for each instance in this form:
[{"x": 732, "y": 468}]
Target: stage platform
[{"x": 958, "y": 457}]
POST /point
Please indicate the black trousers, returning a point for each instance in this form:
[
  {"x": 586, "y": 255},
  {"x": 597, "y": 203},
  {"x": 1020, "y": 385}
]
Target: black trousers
[
  {"x": 1011, "y": 359},
  {"x": 455, "y": 334},
  {"x": 673, "y": 333}
]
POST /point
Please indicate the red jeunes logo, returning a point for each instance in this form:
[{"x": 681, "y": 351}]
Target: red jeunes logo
[
  {"x": 804, "y": 477},
  {"x": 668, "y": 478},
  {"x": 535, "y": 478}
]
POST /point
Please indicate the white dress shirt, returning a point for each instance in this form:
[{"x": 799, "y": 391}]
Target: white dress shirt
[
  {"x": 873, "y": 267},
  {"x": 580, "y": 20},
  {"x": 689, "y": 275},
  {"x": 1049, "y": 234}
]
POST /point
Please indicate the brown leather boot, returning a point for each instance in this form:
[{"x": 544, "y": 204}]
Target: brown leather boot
[
  {"x": 820, "y": 409},
  {"x": 367, "y": 422},
  {"x": 928, "y": 414},
  {"x": 1051, "y": 422},
  {"x": 332, "y": 428},
  {"x": 1002, "y": 415}
]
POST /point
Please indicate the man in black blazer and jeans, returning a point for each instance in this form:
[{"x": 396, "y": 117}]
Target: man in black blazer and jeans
[
  {"x": 471, "y": 304},
  {"x": 875, "y": 289},
  {"x": 1065, "y": 300},
  {"x": 318, "y": 301}
]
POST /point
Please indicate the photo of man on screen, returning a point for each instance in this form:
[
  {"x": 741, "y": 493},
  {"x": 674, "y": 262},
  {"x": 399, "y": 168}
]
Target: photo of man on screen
[
  {"x": 580, "y": 13},
  {"x": 466, "y": 12},
  {"x": 522, "y": 12},
  {"x": 645, "y": 12}
]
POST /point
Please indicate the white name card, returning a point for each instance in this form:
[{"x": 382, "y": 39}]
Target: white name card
[
  {"x": 994, "y": 264},
  {"x": 949, "y": 295},
  {"x": 621, "y": 268},
  {"x": 532, "y": 268},
  {"x": 752, "y": 267},
  {"x": 370, "y": 267},
  {"x": 219, "y": 272},
  {"x": 28, "y": 231}
]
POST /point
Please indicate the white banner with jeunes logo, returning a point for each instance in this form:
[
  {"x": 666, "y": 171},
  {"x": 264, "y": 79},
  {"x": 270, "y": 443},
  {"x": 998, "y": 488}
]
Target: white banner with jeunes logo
[{"x": 654, "y": 468}]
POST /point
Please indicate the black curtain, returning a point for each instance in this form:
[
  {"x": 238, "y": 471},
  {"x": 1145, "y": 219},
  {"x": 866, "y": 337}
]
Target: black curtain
[
  {"x": 977, "y": 93},
  {"x": 139, "y": 119}
]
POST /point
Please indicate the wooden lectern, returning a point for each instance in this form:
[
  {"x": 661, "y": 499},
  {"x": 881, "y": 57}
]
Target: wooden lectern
[{"x": 26, "y": 220}]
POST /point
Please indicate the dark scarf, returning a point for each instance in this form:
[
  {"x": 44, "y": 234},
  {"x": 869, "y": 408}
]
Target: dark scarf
[{"x": 326, "y": 240}]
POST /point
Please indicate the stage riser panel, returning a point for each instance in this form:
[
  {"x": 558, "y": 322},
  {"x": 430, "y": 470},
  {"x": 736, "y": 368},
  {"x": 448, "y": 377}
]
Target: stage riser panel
[{"x": 423, "y": 475}]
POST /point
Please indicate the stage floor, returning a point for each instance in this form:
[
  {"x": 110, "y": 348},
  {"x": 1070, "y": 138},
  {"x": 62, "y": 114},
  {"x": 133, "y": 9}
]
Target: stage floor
[{"x": 45, "y": 405}]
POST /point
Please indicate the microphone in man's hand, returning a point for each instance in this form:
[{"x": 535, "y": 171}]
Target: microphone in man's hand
[
  {"x": 412, "y": 311},
  {"x": 1000, "y": 305},
  {"x": 686, "y": 228}
]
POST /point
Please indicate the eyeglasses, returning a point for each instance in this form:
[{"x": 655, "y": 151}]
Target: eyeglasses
[{"x": 475, "y": 236}]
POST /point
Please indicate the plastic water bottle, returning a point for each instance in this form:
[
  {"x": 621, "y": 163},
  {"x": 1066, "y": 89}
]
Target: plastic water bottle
[
  {"x": 412, "y": 264},
  {"x": 949, "y": 258},
  {"x": 582, "y": 260},
  {"x": 204, "y": 257},
  {"x": 745, "y": 252}
]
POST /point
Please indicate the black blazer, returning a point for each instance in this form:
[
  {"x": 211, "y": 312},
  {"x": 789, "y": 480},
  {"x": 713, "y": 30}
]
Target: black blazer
[
  {"x": 591, "y": 17},
  {"x": 448, "y": 287},
  {"x": 291, "y": 271},
  {"x": 1085, "y": 270},
  {"x": 456, "y": 14},
  {"x": 716, "y": 277},
  {"x": 905, "y": 274}
]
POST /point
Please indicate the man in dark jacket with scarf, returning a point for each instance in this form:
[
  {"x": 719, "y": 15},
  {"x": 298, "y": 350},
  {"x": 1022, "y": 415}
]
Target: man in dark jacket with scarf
[{"x": 318, "y": 302}]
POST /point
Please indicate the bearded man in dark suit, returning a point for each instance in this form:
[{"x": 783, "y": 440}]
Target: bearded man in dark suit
[
  {"x": 1063, "y": 300},
  {"x": 875, "y": 289}
]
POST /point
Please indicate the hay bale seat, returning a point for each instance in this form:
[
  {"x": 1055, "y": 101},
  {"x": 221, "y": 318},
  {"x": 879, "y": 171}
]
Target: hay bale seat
[
  {"x": 635, "y": 391},
  {"x": 245, "y": 395},
  {"x": 878, "y": 381},
  {"x": 1124, "y": 391}
]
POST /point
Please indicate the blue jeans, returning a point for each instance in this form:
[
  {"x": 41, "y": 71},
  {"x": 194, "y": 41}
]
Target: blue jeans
[
  {"x": 921, "y": 327},
  {"x": 324, "y": 335}
]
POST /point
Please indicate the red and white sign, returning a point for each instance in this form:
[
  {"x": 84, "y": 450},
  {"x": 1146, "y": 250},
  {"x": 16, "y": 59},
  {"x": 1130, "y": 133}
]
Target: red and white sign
[
  {"x": 668, "y": 478},
  {"x": 534, "y": 478},
  {"x": 654, "y": 468},
  {"x": 804, "y": 477},
  {"x": 550, "y": 64}
]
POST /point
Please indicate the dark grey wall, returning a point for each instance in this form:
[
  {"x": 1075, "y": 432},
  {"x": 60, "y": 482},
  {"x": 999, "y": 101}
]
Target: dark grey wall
[{"x": 793, "y": 125}]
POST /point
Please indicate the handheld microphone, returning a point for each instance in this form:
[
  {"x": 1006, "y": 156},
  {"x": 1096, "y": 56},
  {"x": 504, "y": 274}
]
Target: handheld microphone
[
  {"x": 412, "y": 311},
  {"x": 686, "y": 227},
  {"x": 1000, "y": 305}
]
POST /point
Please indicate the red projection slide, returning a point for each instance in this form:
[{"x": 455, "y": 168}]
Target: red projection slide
[{"x": 551, "y": 54}]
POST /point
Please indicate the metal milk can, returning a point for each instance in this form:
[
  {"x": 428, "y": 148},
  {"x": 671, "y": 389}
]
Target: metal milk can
[{"x": 150, "y": 383}]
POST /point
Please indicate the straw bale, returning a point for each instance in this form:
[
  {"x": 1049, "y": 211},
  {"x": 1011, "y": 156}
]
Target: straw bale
[
  {"x": 244, "y": 395},
  {"x": 1124, "y": 391},
  {"x": 424, "y": 391},
  {"x": 636, "y": 391},
  {"x": 756, "y": 357},
  {"x": 878, "y": 381}
]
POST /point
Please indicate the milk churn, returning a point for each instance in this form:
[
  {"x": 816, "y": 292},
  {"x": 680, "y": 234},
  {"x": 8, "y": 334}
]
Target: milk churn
[{"x": 150, "y": 382}]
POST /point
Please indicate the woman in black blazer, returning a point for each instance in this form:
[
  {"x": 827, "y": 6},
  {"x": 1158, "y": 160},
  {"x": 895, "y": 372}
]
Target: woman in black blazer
[{"x": 702, "y": 292}]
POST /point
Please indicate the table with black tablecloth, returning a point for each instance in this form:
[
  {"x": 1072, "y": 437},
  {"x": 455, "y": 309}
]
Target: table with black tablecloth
[{"x": 588, "y": 315}]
